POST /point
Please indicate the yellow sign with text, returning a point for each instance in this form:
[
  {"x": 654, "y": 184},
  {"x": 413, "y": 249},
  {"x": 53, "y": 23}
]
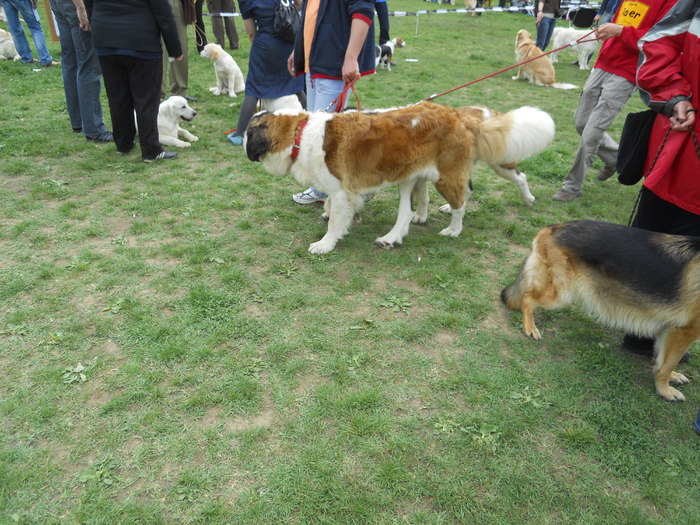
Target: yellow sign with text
[{"x": 631, "y": 14}]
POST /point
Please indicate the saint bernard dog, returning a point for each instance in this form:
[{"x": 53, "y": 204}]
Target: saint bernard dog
[
  {"x": 643, "y": 282},
  {"x": 348, "y": 155}
]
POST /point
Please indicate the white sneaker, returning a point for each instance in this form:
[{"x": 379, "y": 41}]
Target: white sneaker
[{"x": 309, "y": 196}]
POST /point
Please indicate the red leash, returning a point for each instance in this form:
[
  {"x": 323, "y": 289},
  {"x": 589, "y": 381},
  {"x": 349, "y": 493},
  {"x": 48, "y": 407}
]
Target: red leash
[
  {"x": 570, "y": 44},
  {"x": 339, "y": 101}
]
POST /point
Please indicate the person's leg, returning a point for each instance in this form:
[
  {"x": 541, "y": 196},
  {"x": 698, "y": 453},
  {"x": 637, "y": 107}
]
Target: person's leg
[
  {"x": 144, "y": 81},
  {"x": 200, "y": 31},
  {"x": 115, "y": 71},
  {"x": 227, "y": 6},
  {"x": 17, "y": 31},
  {"x": 245, "y": 113},
  {"x": 31, "y": 18},
  {"x": 603, "y": 97},
  {"x": 179, "y": 70},
  {"x": 217, "y": 24},
  {"x": 383, "y": 17},
  {"x": 552, "y": 23},
  {"x": 69, "y": 64}
]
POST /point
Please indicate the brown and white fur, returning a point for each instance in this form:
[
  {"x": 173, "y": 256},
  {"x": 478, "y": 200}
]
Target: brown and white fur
[
  {"x": 543, "y": 134},
  {"x": 386, "y": 51},
  {"x": 539, "y": 71},
  {"x": 171, "y": 112},
  {"x": 229, "y": 78},
  {"x": 567, "y": 35},
  {"x": 348, "y": 155},
  {"x": 7, "y": 47},
  {"x": 642, "y": 282}
]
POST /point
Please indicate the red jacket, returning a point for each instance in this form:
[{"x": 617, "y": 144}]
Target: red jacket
[
  {"x": 669, "y": 71},
  {"x": 620, "y": 55}
]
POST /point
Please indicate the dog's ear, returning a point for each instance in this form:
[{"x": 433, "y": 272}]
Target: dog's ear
[
  {"x": 214, "y": 54},
  {"x": 257, "y": 142}
]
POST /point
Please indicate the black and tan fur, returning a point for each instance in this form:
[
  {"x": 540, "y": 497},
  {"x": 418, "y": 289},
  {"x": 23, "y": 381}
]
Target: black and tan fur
[{"x": 642, "y": 282}]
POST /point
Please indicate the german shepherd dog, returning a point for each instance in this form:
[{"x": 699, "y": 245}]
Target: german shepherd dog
[{"x": 643, "y": 282}]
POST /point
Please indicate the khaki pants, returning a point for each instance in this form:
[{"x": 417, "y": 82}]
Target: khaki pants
[
  {"x": 218, "y": 23},
  {"x": 176, "y": 73},
  {"x": 602, "y": 99}
]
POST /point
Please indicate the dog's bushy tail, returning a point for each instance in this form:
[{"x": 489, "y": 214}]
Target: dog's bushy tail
[
  {"x": 515, "y": 136},
  {"x": 562, "y": 85}
]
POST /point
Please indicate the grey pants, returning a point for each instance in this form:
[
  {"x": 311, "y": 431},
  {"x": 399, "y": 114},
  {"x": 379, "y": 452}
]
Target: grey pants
[{"x": 602, "y": 99}]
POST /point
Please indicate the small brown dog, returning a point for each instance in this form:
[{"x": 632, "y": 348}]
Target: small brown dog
[
  {"x": 642, "y": 282},
  {"x": 539, "y": 71}
]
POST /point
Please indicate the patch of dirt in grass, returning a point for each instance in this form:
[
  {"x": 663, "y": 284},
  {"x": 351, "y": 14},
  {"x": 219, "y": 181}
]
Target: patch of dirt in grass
[
  {"x": 264, "y": 419},
  {"x": 211, "y": 417},
  {"x": 310, "y": 382},
  {"x": 255, "y": 312}
]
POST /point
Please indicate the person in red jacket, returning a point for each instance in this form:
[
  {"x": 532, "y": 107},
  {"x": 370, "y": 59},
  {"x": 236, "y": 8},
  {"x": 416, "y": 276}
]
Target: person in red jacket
[
  {"x": 609, "y": 86},
  {"x": 669, "y": 80}
]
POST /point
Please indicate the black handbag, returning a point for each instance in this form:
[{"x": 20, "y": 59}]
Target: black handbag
[
  {"x": 287, "y": 20},
  {"x": 634, "y": 144}
]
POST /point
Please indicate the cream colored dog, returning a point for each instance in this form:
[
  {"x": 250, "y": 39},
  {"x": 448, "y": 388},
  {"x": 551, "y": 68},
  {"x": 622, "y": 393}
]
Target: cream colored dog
[
  {"x": 229, "y": 78},
  {"x": 566, "y": 35},
  {"x": 7, "y": 47},
  {"x": 539, "y": 71},
  {"x": 170, "y": 113}
]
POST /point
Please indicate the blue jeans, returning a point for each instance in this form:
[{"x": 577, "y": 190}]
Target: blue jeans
[
  {"x": 544, "y": 31},
  {"x": 81, "y": 71},
  {"x": 320, "y": 92},
  {"x": 13, "y": 8}
]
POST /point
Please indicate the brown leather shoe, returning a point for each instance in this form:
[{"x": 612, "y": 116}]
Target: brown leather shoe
[
  {"x": 565, "y": 196},
  {"x": 605, "y": 173}
]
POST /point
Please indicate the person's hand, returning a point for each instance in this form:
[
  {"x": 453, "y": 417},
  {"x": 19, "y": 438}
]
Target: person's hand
[
  {"x": 351, "y": 70},
  {"x": 596, "y": 19},
  {"x": 683, "y": 117},
  {"x": 539, "y": 16},
  {"x": 35, "y": 3},
  {"x": 608, "y": 31},
  {"x": 178, "y": 59},
  {"x": 290, "y": 65},
  {"x": 83, "y": 19}
]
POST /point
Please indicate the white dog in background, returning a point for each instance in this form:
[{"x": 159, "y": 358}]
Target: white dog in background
[
  {"x": 170, "y": 113},
  {"x": 7, "y": 47},
  {"x": 229, "y": 78},
  {"x": 565, "y": 35}
]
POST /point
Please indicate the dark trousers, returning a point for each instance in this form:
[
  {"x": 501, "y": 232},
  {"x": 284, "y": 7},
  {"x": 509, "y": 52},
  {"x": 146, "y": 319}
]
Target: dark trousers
[
  {"x": 657, "y": 215},
  {"x": 383, "y": 18},
  {"x": 199, "y": 30},
  {"x": 133, "y": 85}
]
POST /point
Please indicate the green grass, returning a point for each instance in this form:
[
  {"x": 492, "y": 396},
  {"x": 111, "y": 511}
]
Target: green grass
[{"x": 170, "y": 352}]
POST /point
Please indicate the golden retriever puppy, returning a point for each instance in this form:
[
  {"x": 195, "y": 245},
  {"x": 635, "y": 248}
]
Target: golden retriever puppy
[
  {"x": 7, "y": 47},
  {"x": 170, "y": 113},
  {"x": 539, "y": 71},
  {"x": 229, "y": 78}
]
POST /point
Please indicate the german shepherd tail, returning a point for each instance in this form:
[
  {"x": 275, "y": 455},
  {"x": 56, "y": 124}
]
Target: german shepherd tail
[{"x": 642, "y": 282}]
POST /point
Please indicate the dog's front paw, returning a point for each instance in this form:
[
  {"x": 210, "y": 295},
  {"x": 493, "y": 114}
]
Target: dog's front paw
[
  {"x": 320, "y": 247},
  {"x": 533, "y": 332},
  {"x": 678, "y": 379},
  {"x": 670, "y": 394},
  {"x": 215, "y": 91},
  {"x": 232, "y": 94},
  {"x": 194, "y": 138},
  {"x": 445, "y": 208},
  {"x": 184, "y": 144}
]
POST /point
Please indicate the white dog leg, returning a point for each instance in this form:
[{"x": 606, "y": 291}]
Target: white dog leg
[
  {"x": 403, "y": 220},
  {"x": 455, "y": 227},
  {"x": 173, "y": 141},
  {"x": 187, "y": 135},
  {"x": 422, "y": 200},
  {"x": 344, "y": 207},
  {"x": 519, "y": 179}
]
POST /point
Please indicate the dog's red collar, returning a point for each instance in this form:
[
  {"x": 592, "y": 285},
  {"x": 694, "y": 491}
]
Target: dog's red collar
[{"x": 297, "y": 138}]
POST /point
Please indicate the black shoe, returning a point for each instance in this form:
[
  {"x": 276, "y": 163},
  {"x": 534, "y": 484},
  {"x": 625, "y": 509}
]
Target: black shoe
[
  {"x": 163, "y": 155},
  {"x": 190, "y": 99},
  {"x": 77, "y": 130},
  {"x": 101, "y": 138}
]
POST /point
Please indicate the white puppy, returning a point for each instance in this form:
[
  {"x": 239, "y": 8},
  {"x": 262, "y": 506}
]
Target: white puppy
[
  {"x": 228, "y": 75},
  {"x": 7, "y": 47},
  {"x": 566, "y": 35},
  {"x": 170, "y": 113}
]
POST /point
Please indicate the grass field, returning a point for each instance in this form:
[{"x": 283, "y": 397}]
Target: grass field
[{"x": 170, "y": 352}]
